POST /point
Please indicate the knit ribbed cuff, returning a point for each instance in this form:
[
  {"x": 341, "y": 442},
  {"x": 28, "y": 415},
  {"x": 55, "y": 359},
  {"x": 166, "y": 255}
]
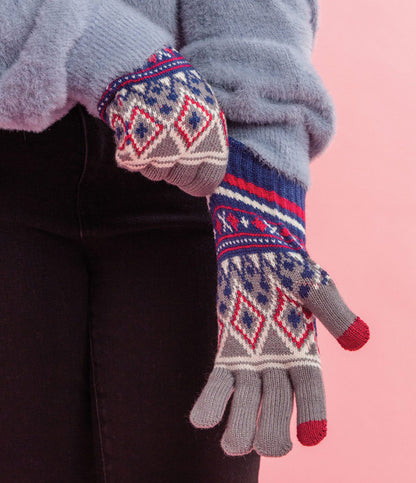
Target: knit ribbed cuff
[
  {"x": 116, "y": 42},
  {"x": 245, "y": 164},
  {"x": 283, "y": 147}
]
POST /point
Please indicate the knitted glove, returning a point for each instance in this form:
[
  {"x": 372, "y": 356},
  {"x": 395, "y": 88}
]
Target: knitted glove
[
  {"x": 168, "y": 124},
  {"x": 268, "y": 290}
]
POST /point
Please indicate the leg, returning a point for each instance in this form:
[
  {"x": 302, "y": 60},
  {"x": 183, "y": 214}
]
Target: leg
[
  {"x": 154, "y": 336},
  {"x": 44, "y": 359}
]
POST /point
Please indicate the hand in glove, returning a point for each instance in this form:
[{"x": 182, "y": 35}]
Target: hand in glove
[
  {"x": 168, "y": 124},
  {"x": 269, "y": 290}
]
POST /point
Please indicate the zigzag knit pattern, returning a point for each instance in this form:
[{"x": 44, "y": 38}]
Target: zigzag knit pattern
[{"x": 164, "y": 114}]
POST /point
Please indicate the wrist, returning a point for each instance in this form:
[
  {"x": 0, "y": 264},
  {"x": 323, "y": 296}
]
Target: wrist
[
  {"x": 255, "y": 207},
  {"x": 247, "y": 168}
]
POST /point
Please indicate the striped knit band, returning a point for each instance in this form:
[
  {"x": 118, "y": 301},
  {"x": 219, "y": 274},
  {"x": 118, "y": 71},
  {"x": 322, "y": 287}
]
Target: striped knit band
[
  {"x": 164, "y": 61},
  {"x": 254, "y": 204}
]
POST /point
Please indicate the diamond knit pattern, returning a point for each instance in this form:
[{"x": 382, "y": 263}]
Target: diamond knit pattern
[
  {"x": 269, "y": 291},
  {"x": 164, "y": 114},
  {"x": 264, "y": 271}
]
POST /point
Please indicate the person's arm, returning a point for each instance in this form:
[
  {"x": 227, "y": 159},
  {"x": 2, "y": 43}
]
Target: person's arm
[
  {"x": 257, "y": 58},
  {"x": 17, "y": 18},
  {"x": 71, "y": 50},
  {"x": 108, "y": 56}
]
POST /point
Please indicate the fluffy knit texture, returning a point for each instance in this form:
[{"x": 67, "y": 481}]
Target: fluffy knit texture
[
  {"x": 73, "y": 51},
  {"x": 269, "y": 292},
  {"x": 273, "y": 98},
  {"x": 257, "y": 58}
]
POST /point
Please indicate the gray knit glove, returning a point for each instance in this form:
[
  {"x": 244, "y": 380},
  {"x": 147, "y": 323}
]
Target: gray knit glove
[
  {"x": 168, "y": 124},
  {"x": 269, "y": 290}
]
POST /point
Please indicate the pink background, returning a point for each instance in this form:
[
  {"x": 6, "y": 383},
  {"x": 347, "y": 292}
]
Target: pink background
[{"x": 361, "y": 219}]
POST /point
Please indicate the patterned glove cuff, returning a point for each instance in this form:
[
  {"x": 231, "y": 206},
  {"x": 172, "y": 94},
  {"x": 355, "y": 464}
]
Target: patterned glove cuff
[
  {"x": 252, "y": 186},
  {"x": 157, "y": 65}
]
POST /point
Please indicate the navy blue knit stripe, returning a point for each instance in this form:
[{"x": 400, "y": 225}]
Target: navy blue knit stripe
[
  {"x": 255, "y": 208},
  {"x": 221, "y": 200},
  {"x": 247, "y": 165},
  {"x": 164, "y": 62},
  {"x": 244, "y": 165}
]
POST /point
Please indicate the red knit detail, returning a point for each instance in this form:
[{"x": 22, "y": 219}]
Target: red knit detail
[
  {"x": 152, "y": 59},
  {"x": 308, "y": 314},
  {"x": 233, "y": 220},
  {"x": 188, "y": 140},
  {"x": 253, "y": 245},
  {"x": 218, "y": 226},
  {"x": 132, "y": 80},
  {"x": 235, "y": 322},
  {"x": 311, "y": 432},
  {"x": 158, "y": 129},
  {"x": 355, "y": 336},
  {"x": 259, "y": 224},
  {"x": 239, "y": 210},
  {"x": 246, "y": 233},
  {"x": 268, "y": 195}
]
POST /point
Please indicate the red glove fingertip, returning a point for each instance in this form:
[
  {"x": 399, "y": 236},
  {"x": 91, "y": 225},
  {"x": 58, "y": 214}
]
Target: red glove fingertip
[{"x": 357, "y": 334}]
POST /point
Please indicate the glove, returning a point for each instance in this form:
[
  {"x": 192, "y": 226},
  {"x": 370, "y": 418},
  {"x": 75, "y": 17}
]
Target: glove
[
  {"x": 269, "y": 292},
  {"x": 168, "y": 124}
]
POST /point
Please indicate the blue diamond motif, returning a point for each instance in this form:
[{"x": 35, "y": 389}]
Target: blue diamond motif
[
  {"x": 247, "y": 320},
  {"x": 194, "y": 120},
  {"x": 294, "y": 318}
]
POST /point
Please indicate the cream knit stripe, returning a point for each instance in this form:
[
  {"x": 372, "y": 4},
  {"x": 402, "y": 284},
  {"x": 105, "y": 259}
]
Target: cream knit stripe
[
  {"x": 261, "y": 367},
  {"x": 260, "y": 206}
]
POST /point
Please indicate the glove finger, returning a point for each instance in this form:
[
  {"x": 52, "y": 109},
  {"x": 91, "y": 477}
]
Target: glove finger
[
  {"x": 241, "y": 426},
  {"x": 326, "y": 303},
  {"x": 209, "y": 408},
  {"x": 273, "y": 430},
  {"x": 310, "y": 404},
  {"x": 199, "y": 180}
]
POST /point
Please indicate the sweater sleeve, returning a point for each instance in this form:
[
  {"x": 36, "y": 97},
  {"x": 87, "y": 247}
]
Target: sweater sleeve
[
  {"x": 257, "y": 57},
  {"x": 74, "y": 50},
  {"x": 17, "y": 18}
]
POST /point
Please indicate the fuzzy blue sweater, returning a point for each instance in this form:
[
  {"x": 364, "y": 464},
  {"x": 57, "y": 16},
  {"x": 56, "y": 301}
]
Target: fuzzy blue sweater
[{"x": 256, "y": 55}]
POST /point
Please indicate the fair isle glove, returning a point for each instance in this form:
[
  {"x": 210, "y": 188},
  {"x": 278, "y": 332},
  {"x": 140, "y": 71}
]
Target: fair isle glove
[
  {"x": 168, "y": 124},
  {"x": 269, "y": 290}
]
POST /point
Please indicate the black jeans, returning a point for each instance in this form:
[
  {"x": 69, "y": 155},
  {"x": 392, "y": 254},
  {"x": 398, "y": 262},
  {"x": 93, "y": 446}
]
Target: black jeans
[{"x": 107, "y": 317}]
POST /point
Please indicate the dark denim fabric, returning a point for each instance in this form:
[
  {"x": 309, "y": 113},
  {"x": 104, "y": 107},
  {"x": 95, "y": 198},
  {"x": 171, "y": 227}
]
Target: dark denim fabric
[{"x": 107, "y": 317}]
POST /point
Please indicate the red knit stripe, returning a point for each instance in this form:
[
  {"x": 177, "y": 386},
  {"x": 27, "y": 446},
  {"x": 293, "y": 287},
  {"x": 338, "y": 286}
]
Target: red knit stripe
[
  {"x": 129, "y": 81},
  {"x": 229, "y": 207},
  {"x": 137, "y": 81},
  {"x": 239, "y": 247},
  {"x": 263, "y": 193},
  {"x": 253, "y": 235},
  {"x": 177, "y": 57}
]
